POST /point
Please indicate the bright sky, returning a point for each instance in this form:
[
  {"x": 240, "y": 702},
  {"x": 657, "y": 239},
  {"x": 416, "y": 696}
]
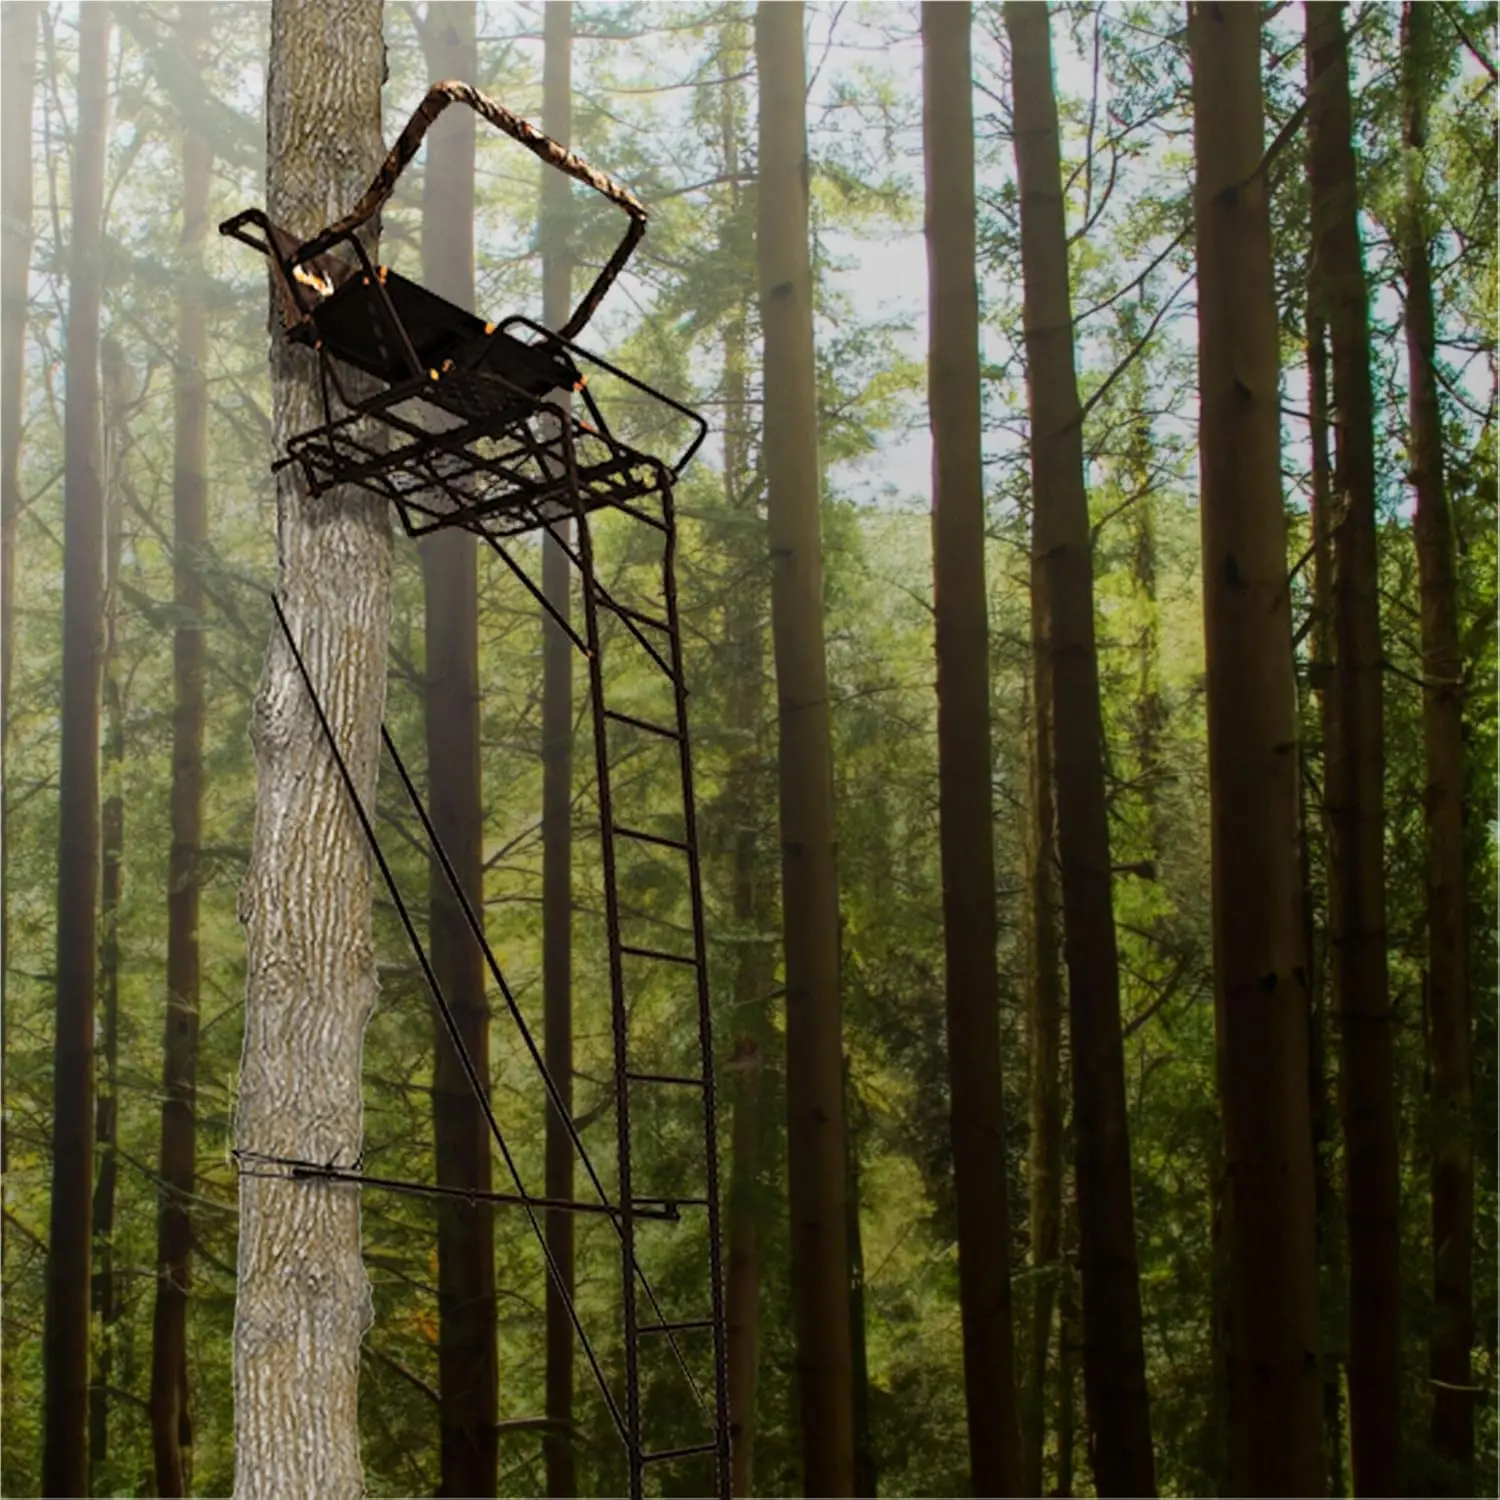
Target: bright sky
[{"x": 889, "y": 278}]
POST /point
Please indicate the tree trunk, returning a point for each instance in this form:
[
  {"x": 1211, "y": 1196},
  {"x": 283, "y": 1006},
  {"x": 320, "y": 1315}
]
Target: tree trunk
[
  {"x": 468, "y": 1377},
  {"x": 1330, "y": 1258},
  {"x": 303, "y": 1299},
  {"x": 754, "y": 980},
  {"x": 18, "y": 23},
  {"x": 104, "y": 1303},
  {"x": 810, "y": 909},
  {"x": 557, "y": 785},
  {"x": 865, "y": 1478},
  {"x": 65, "y": 1341},
  {"x": 1221, "y": 1318},
  {"x": 964, "y": 797},
  {"x": 1069, "y": 1341},
  {"x": 753, "y": 896},
  {"x": 1044, "y": 1024},
  {"x": 171, "y": 1425},
  {"x": 1448, "y": 1001},
  {"x": 1114, "y": 1363},
  {"x": 1149, "y": 718},
  {"x": 1260, "y": 974},
  {"x": 1355, "y": 779}
]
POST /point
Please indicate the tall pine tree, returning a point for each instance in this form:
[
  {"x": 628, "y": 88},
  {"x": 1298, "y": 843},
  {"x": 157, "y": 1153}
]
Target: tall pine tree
[
  {"x": 817, "y": 1179},
  {"x": 1260, "y": 992},
  {"x": 964, "y": 774},
  {"x": 65, "y": 1349},
  {"x": 1114, "y": 1359},
  {"x": 1354, "y": 760}
]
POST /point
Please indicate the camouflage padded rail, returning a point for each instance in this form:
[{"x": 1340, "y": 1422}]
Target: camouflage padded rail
[{"x": 438, "y": 98}]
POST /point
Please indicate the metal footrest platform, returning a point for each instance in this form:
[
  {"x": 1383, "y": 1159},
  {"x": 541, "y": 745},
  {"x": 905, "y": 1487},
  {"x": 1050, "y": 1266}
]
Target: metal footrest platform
[{"x": 501, "y": 472}]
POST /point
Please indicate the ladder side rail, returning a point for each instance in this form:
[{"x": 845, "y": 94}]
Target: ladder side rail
[{"x": 618, "y": 1018}]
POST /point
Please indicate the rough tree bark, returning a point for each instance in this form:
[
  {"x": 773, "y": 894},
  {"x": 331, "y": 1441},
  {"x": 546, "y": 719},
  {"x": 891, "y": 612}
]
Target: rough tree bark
[
  {"x": 1354, "y": 769},
  {"x": 964, "y": 797},
  {"x": 1114, "y": 1361},
  {"x": 1448, "y": 999},
  {"x": 557, "y": 785},
  {"x": 171, "y": 1425},
  {"x": 18, "y": 27},
  {"x": 1259, "y": 967},
  {"x": 468, "y": 1374},
  {"x": 104, "y": 1301},
  {"x": 303, "y": 1299},
  {"x": 65, "y": 1338},
  {"x": 809, "y": 878}
]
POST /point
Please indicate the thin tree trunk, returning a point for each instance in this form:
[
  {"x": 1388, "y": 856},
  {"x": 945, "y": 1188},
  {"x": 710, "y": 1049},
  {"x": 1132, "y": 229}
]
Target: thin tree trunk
[
  {"x": 104, "y": 1303},
  {"x": 810, "y": 909},
  {"x": 1221, "y": 1319},
  {"x": 171, "y": 1424},
  {"x": 1150, "y": 716},
  {"x": 753, "y": 898},
  {"x": 1260, "y": 968},
  {"x": 964, "y": 797},
  {"x": 1069, "y": 1342},
  {"x": 65, "y": 1341},
  {"x": 1330, "y": 1257},
  {"x": 307, "y": 901},
  {"x": 1044, "y": 1023},
  {"x": 557, "y": 785},
  {"x": 865, "y": 1477},
  {"x": 1355, "y": 776},
  {"x": 468, "y": 1376},
  {"x": 753, "y": 982},
  {"x": 1114, "y": 1361},
  {"x": 1448, "y": 1000},
  {"x": 18, "y": 26}
]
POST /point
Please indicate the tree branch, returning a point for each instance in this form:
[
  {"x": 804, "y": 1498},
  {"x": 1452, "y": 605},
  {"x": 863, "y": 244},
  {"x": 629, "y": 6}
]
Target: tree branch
[
  {"x": 1130, "y": 286},
  {"x": 410, "y": 1376},
  {"x": 1475, "y": 50},
  {"x": 1135, "y": 352}
]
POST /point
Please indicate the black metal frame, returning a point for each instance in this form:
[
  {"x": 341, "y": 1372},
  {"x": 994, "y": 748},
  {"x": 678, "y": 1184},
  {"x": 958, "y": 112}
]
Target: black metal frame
[
  {"x": 475, "y": 436},
  {"x": 464, "y": 441}
]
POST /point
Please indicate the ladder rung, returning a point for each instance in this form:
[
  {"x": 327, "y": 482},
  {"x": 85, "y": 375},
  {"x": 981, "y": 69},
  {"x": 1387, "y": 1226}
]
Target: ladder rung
[
  {"x": 649, "y": 838},
  {"x": 693, "y": 1325},
  {"x": 665, "y": 1455},
  {"x": 668, "y": 958},
  {"x": 627, "y": 613},
  {"x": 661, "y": 729},
  {"x": 685, "y": 1080}
]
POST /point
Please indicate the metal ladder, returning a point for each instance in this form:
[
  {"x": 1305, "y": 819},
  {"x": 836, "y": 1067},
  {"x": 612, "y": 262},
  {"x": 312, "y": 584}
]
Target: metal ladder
[{"x": 657, "y": 639}]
